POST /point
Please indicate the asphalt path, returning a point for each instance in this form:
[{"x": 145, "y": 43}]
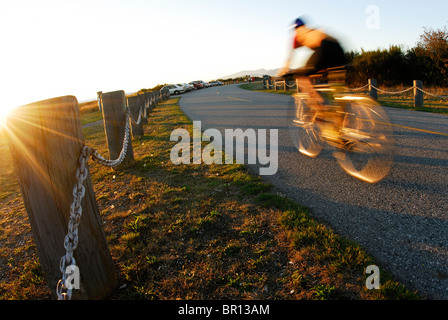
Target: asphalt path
[{"x": 402, "y": 220}]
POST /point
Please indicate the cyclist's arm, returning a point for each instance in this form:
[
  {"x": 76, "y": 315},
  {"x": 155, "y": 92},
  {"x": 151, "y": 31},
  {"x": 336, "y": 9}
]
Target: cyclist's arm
[{"x": 285, "y": 69}]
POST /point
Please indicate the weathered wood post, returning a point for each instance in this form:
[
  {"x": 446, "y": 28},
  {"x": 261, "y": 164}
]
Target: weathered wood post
[
  {"x": 142, "y": 101},
  {"x": 115, "y": 118},
  {"x": 146, "y": 98},
  {"x": 99, "y": 93},
  {"x": 134, "y": 106},
  {"x": 154, "y": 100},
  {"x": 418, "y": 94},
  {"x": 46, "y": 142},
  {"x": 373, "y": 93},
  {"x": 168, "y": 95},
  {"x": 149, "y": 99}
]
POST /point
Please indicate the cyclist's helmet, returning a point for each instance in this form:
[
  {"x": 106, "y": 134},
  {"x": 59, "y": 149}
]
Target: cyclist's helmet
[{"x": 298, "y": 23}]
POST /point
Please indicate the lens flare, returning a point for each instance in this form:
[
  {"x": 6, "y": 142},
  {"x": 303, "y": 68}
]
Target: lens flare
[{"x": 3, "y": 116}]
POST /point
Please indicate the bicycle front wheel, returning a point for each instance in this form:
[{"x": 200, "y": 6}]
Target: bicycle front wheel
[
  {"x": 368, "y": 150},
  {"x": 303, "y": 128}
]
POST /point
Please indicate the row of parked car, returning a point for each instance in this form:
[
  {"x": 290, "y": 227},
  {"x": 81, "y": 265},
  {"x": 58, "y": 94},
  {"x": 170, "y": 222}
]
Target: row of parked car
[{"x": 194, "y": 85}]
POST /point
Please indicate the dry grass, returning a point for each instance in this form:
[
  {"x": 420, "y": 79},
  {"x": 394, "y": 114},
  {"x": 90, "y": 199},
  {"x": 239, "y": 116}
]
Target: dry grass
[{"x": 89, "y": 106}]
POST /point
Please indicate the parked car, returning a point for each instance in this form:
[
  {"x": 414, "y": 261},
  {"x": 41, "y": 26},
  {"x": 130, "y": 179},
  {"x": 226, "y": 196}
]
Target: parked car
[
  {"x": 183, "y": 86},
  {"x": 187, "y": 86},
  {"x": 197, "y": 84},
  {"x": 175, "y": 89},
  {"x": 216, "y": 83}
]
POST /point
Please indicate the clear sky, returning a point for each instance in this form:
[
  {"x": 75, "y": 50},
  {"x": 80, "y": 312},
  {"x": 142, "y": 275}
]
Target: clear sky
[{"x": 61, "y": 47}]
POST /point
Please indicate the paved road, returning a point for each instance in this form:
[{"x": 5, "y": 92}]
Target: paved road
[{"x": 402, "y": 221}]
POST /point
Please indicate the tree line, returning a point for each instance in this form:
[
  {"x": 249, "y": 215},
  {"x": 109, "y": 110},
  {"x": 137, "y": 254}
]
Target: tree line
[{"x": 426, "y": 61}]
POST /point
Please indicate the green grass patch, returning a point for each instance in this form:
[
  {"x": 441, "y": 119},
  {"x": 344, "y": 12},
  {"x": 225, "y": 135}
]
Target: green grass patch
[
  {"x": 429, "y": 105},
  {"x": 91, "y": 117}
]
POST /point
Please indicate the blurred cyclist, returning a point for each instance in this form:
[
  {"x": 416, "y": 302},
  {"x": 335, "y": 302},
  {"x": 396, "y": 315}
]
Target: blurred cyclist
[{"x": 327, "y": 54}]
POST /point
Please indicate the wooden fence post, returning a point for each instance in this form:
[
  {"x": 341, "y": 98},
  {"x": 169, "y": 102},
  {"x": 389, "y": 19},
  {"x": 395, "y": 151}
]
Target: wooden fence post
[
  {"x": 115, "y": 118},
  {"x": 167, "y": 93},
  {"x": 418, "y": 95},
  {"x": 373, "y": 93},
  {"x": 147, "y": 105},
  {"x": 150, "y": 103},
  {"x": 154, "y": 97},
  {"x": 46, "y": 142},
  {"x": 159, "y": 95},
  {"x": 99, "y": 93},
  {"x": 142, "y": 105},
  {"x": 134, "y": 104}
]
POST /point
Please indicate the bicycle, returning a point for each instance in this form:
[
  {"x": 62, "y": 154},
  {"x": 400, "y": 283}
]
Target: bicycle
[{"x": 355, "y": 125}]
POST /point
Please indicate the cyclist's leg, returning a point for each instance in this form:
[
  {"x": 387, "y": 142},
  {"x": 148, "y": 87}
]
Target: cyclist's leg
[
  {"x": 332, "y": 55},
  {"x": 313, "y": 65},
  {"x": 305, "y": 84}
]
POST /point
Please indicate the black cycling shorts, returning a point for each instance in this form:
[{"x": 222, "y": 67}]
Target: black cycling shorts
[{"x": 329, "y": 55}]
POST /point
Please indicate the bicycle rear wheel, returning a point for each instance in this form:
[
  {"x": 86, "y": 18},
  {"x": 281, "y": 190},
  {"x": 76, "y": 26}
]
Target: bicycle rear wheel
[
  {"x": 368, "y": 150},
  {"x": 303, "y": 128}
]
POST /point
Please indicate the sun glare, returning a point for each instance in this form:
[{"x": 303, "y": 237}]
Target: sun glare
[
  {"x": 15, "y": 100},
  {"x": 4, "y": 112},
  {"x": 3, "y": 116}
]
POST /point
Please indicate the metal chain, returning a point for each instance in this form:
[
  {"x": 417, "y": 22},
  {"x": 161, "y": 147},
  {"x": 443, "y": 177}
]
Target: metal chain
[
  {"x": 409, "y": 89},
  {"x": 137, "y": 122},
  {"x": 113, "y": 163},
  {"x": 358, "y": 89},
  {"x": 277, "y": 83},
  {"x": 431, "y": 94},
  {"x": 71, "y": 239},
  {"x": 396, "y": 92},
  {"x": 402, "y": 91}
]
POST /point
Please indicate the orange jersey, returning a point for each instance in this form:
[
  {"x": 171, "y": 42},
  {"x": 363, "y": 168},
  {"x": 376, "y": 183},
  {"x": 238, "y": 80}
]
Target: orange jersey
[{"x": 311, "y": 38}]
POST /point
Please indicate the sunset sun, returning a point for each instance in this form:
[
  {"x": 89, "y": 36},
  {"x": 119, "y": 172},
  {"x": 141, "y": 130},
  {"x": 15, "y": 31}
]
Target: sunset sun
[{"x": 3, "y": 116}]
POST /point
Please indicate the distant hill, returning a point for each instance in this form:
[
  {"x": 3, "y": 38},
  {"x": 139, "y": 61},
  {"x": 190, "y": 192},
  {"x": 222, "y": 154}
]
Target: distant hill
[{"x": 253, "y": 73}]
